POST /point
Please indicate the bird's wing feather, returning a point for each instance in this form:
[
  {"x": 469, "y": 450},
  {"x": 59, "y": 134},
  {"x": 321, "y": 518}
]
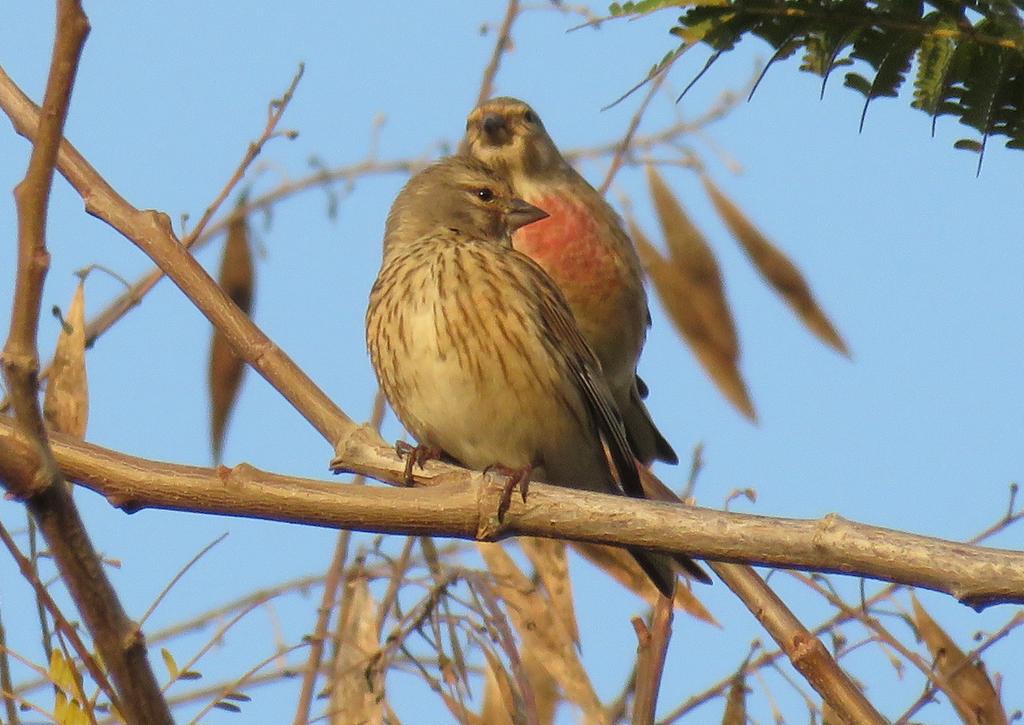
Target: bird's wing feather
[{"x": 586, "y": 369}]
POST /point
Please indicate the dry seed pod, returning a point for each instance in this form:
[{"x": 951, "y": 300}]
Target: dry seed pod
[
  {"x": 976, "y": 699},
  {"x": 692, "y": 256},
  {"x": 736, "y": 702},
  {"x": 226, "y": 368},
  {"x": 678, "y": 294},
  {"x": 552, "y": 566},
  {"x": 66, "y": 403},
  {"x": 500, "y": 702},
  {"x": 777, "y": 269},
  {"x": 541, "y": 632},
  {"x": 504, "y": 703},
  {"x": 357, "y": 691},
  {"x": 546, "y": 696}
]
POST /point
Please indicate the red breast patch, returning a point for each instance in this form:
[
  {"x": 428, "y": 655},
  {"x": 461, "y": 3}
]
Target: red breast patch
[{"x": 568, "y": 245}]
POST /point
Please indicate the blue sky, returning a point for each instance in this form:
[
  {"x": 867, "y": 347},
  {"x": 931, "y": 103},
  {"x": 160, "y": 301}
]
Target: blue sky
[{"x": 918, "y": 262}]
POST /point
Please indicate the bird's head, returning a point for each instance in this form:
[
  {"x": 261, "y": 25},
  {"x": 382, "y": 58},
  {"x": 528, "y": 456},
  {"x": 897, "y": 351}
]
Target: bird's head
[
  {"x": 458, "y": 193},
  {"x": 508, "y": 135}
]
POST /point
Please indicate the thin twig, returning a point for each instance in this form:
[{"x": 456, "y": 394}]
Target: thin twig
[
  {"x": 212, "y": 642},
  {"x": 616, "y": 709},
  {"x": 33, "y": 555},
  {"x": 627, "y": 139},
  {"x": 62, "y": 625},
  {"x": 237, "y": 684},
  {"x": 652, "y": 649},
  {"x": 6, "y": 686},
  {"x": 500, "y": 47},
  {"x": 399, "y": 570},
  {"x": 318, "y": 638},
  {"x": 277, "y": 109},
  {"x": 177, "y": 577},
  {"x": 969, "y": 659}
]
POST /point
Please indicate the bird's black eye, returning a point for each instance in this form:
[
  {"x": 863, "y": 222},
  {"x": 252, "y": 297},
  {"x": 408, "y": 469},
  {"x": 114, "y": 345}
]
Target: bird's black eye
[
  {"x": 530, "y": 117},
  {"x": 485, "y": 194}
]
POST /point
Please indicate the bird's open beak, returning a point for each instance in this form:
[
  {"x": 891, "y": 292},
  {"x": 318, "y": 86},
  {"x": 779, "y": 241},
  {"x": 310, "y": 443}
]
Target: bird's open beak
[
  {"x": 495, "y": 128},
  {"x": 520, "y": 214}
]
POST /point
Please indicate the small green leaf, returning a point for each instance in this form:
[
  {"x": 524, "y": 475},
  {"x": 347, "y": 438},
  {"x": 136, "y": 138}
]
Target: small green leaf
[
  {"x": 858, "y": 83},
  {"x": 933, "y": 63},
  {"x": 967, "y": 144}
]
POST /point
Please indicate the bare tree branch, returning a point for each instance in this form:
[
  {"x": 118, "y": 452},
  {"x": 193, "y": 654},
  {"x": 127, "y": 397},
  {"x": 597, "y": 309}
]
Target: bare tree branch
[
  {"x": 462, "y": 504},
  {"x": 6, "y": 685},
  {"x": 277, "y": 109},
  {"x": 883, "y": 635},
  {"x": 36, "y": 477},
  {"x": 804, "y": 649}
]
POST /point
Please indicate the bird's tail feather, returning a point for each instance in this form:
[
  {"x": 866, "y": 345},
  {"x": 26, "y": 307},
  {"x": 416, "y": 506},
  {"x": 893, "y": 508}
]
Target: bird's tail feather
[
  {"x": 658, "y": 568},
  {"x": 656, "y": 490},
  {"x": 647, "y": 441}
]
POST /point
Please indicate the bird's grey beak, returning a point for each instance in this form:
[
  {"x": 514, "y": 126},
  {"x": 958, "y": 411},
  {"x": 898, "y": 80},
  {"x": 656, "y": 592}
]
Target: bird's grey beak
[
  {"x": 495, "y": 129},
  {"x": 520, "y": 214}
]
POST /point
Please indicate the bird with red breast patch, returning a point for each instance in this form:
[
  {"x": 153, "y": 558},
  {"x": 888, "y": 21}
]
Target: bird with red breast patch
[{"x": 582, "y": 246}]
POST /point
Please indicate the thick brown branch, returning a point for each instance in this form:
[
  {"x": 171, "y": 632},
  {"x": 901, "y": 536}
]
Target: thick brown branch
[
  {"x": 465, "y": 507},
  {"x": 32, "y": 195},
  {"x": 873, "y": 625}
]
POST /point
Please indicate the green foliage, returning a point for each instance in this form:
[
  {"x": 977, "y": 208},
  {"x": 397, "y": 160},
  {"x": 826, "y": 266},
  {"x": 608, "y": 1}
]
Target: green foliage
[
  {"x": 642, "y": 7},
  {"x": 969, "y": 53}
]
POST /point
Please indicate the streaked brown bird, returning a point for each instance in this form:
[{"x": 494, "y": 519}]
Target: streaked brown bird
[
  {"x": 478, "y": 352},
  {"x": 582, "y": 246}
]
